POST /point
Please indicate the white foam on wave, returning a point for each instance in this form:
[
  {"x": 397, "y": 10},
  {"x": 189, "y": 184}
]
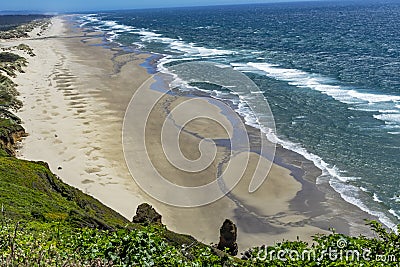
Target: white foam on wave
[
  {"x": 389, "y": 118},
  {"x": 109, "y": 23},
  {"x": 350, "y": 194},
  {"x": 83, "y": 24},
  {"x": 113, "y": 25},
  {"x": 139, "y": 45},
  {"x": 337, "y": 177},
  {"x": 363, "y": 109},
  {"x": 358, "y": 99},
  {"x": 90, "y": 18},
  {"x": 150, "y": 36},
  {"x": 111, "y": 36},
  {"x": 317, "y": 82},
  {"x": 189, "y": 49},
  {"x": 326, "y": 169},
  {"x": 244, "y": 111},
  {"x": 340, "y": 183},
  {"x": 123, "y": 28},
  {"x": 176, "y": 81},
  {"x": 396, "y": 198},
  {"x": 394, "y": 214},
  {"x": 251, "y": 120},
  {"x": 376, "y": 198},
  {"x": 389, "y": 110},
  {"x": 337, "y": 180},
  {"x": 373, "y": 98}
]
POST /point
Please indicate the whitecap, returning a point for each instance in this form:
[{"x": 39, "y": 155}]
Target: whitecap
[
  {"x": 356, "y": 98},
  {"x": 350, "y": 193},
  {"x": 394, "y": 214},
  {"x": 390, "y": 118},
  {"x": 376, "y": 199}
]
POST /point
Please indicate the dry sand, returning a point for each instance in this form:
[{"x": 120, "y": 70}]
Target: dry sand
[
  {"x": 68, "y": 123},
  {"x": 75, "y": 95}
]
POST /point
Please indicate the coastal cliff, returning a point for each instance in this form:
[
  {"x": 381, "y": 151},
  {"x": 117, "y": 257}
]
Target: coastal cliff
[
  {"x": 10, "y": 135},
  {"x": 10, "y": 129}
]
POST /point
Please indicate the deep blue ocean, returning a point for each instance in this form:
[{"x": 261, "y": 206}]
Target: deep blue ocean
[{"x": 330, "y": 72}]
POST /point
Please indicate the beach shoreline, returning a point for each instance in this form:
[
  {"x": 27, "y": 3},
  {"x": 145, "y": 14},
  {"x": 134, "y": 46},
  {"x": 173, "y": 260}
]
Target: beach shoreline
[{"x": 75, "y": 93}]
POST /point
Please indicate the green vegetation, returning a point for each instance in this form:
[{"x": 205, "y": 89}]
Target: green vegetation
[
  {"x": 11, "y": 63},
  {"x": 8, "y": 94},
  {"x": 22, "y": 47},
  {"x": 52, "y": 244},
  {"x": 45, "y": 222},
  {"x": 20, "y": 31},
  {"x": 29, "y": 191},
  {"x": 333, "y": 250},
  {"x": 55, "y": 242},
  {"x": 10, "y": 129}
]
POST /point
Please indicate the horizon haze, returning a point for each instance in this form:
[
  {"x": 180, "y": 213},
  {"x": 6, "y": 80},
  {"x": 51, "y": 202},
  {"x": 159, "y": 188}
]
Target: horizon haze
[{"x": 92, "y": 5}]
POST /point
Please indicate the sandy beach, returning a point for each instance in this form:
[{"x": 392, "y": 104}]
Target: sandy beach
[
  {"x": 70, "y": 126},
  {"x": 75, "y": 93}
]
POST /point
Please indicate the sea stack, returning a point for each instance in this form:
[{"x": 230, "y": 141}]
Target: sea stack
[
  {"x": 227, "y": 238},
  {"x": 146, "y": 214}
]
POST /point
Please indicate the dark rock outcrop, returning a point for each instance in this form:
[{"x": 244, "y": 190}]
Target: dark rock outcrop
[
  {"x": 228, "y": 236},
  {"x": 146, "y": 214}
]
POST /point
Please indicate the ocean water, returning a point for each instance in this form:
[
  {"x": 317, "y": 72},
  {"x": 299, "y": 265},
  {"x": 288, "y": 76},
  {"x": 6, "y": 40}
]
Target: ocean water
[{"x": 330, "y": 72}]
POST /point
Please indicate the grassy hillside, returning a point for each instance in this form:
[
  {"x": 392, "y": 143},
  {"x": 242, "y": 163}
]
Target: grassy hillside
[
  {"x": 45, "y": 222},
  {"x": 29, "y": 191}
]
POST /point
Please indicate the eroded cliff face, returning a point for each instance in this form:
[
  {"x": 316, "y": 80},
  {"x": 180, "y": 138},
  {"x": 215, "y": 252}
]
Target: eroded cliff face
[
  {"x": 11, "y": 63},
  {"x": 9, "y": 138}
]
